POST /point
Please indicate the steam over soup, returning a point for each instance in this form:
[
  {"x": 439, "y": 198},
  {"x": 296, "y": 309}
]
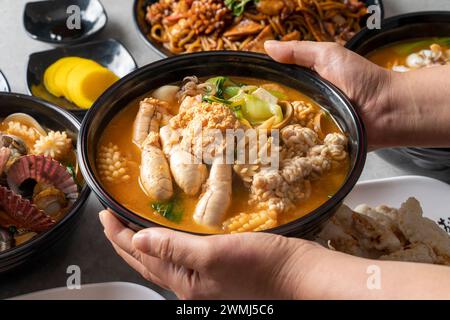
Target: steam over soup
[
  {"x": 223, "y": 155},
  {"x": 412, "y": 55}
]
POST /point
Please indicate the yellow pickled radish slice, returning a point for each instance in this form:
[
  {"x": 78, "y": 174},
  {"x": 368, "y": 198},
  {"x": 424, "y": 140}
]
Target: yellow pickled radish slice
[
  {"x": 61, "y": 73},
  {"x": 82, "y": 63},
  {"x": 49, "y": 77},
  {"x": 86, "y": 83}
]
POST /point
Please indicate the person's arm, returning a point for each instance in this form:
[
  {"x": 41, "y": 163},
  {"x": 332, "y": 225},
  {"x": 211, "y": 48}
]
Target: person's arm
[
  {"x": 339, "y": 276},
  {"x": 418, "y": 109},
  {"x": 398, "y": 109},
  {"x": 266, "y": 266}
]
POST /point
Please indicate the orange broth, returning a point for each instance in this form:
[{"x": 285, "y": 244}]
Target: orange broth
[{"x": 130, "y": 194}]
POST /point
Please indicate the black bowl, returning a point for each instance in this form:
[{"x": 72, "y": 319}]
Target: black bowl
[
  {"x": 56, "y": 21},
  {"x": 4, "y": 85},
  {"x": 55, "y": 118},
  {"x": 109, "y": 53},
  {"x": 400, "y": 28},
  {"x": 140, "y": 9},
  {"x": 174, "y": 69},
  {"x": 429, "y": 159}
]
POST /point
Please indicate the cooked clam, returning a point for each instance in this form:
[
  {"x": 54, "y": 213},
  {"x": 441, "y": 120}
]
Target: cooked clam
[
  {"x": 50, "y": 200},
  {"x": 15, "y": 144}
]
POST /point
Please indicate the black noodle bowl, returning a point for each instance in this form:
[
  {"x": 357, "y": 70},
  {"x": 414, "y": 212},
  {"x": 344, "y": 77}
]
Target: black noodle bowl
[{"x": 143, "y": 28}]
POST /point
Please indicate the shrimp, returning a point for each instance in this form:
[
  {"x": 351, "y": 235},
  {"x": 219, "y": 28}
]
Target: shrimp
[
  {"x": 216, "y": 200},
  {"x": 155, "y": 175},
  {"x": 188, "y": 171}
]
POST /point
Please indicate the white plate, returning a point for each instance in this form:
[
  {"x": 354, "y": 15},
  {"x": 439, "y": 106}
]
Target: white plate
[
  {"x": 433, "y": 195},
  {"x": 98, "y": 291}
]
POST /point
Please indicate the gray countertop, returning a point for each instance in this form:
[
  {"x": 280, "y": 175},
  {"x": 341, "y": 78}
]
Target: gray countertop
[{"x": 87, "y": 246}]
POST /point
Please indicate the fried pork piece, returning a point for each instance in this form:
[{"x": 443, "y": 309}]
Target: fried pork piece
[
  {"x": 418, "y": 229},
  {"x": 388, "y": 234},
  {"x": 336, "y": 234},
  {"x": 418, "y": 252},
  {"x": 364, "y": 236}
]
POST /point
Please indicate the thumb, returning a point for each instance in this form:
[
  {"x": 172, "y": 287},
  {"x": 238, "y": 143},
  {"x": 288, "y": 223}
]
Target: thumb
[
  {"x": 176, "y": 247},
  {"x": 307, "y": 54}
]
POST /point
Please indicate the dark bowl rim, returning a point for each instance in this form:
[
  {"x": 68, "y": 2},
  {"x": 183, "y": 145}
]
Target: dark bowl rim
[
  {"x": 79, "y": 112},
  {"x": 82, "y": 198},
  {"x": 8, "y": 87},
  {"x": 84, "y": 37},
  {"x": 393, "y": 22},
  {"x": 130, "y": 216},
  {"x": 162, "y": 54}
]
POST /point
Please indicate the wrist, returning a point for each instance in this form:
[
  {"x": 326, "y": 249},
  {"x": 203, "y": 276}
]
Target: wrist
[
  {"x": 301, "y": 266},
  {"x": 381, "y": 112},
  {"x": 411, "y": 110}
]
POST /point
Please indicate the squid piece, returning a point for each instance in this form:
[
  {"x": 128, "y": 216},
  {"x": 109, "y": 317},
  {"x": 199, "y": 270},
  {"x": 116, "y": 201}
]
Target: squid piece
[
  {"x": 155, "y": 172},
  {"x": 189, "y": 173},
  {"x": 216, "y": 200}
]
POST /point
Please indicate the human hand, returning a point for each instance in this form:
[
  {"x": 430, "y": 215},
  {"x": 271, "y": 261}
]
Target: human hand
[
  {"x": 398, "y": 109},
  {"x": 240, "y": 266},
  {"x": 366, "y": 84}
]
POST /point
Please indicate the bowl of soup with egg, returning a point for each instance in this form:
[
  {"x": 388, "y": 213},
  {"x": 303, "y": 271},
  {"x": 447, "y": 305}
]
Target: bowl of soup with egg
[
  {"x": 222, "y": 142},
  {"x": 406, "y": 43}
]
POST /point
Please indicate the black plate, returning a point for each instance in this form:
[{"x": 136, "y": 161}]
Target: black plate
[
  {"x": 139, "y": 11},
  {"x": 230, "y": 63},
  {"x": 109, "y": 53},
  {"x": 4, "y": 85},
  {"x": 55, "y": 118},
  {"x": 47, "y": 20},
  {"x": 409, "y": 26}
]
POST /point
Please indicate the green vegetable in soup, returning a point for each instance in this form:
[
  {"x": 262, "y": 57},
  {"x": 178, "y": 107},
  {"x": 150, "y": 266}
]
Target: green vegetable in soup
[
  {"x": 278, "y": 94},
  {"x": 252, "y": 105},
  {"x": 256, "y": 110},
  {"x": 230, "y": 92},
  {"x": 171, "y": 210},
  {"x": 277, "y": 112},
  {"x": 411, "y": 47},
  {"x": 219, "y": 83}
]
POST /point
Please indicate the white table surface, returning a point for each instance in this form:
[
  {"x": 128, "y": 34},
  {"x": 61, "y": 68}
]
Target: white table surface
[{"x": 86, "y": 247}]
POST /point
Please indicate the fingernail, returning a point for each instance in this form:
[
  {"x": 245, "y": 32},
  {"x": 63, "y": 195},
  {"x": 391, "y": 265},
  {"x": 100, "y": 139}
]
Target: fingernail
[
  {"x": 101, "y": 215},
  {"x": 141, "y": 240},
  {"x": 270, "y": 43}
]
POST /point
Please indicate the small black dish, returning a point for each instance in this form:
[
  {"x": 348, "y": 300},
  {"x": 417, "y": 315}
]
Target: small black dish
[
  {"x": 400, "y": 28},
  {"x": 230, "y": 63},
  {"x": 109, "y": 53},
  {"x": 55, "y": 118},
  {"x": 53, "y": 21},
  {"x": 4, "y": 85},
  {"x": 143, "y": 28}
]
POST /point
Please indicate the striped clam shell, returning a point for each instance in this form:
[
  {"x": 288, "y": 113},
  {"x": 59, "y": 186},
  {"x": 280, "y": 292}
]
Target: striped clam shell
[
  {"x": 42, "y": 169},
  {"x": 23, "y": 212}
]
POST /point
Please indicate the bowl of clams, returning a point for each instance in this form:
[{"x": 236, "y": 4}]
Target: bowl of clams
[
  {"x": 222, "y": 142},
  {"x": 41, "y": 189}
]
